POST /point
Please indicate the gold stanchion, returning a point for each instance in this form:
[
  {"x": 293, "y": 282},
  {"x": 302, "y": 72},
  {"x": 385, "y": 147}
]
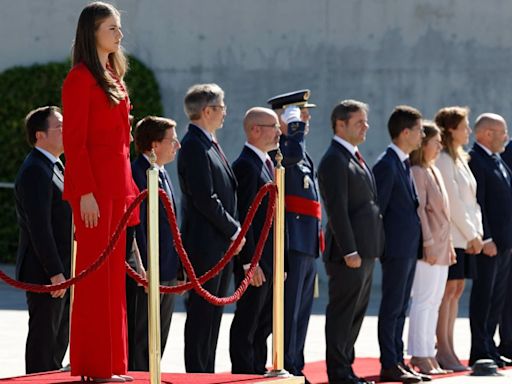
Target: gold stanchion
[
  {"x": 72, "y": 271},
  {"x": 153, "y": 274},
  {"x": 278, "y": 283},
  {"x": 72, "y": 274}
]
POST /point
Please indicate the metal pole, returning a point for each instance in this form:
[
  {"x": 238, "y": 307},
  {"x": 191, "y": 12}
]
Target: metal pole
[
  {"x": 153, "y": 273},
  {"x": 72, "y": 274},
  {"x": 278, "y": 283}
]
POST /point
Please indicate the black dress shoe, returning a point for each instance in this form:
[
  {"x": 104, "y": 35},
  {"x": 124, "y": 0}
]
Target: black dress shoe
[
  {"x": 506, "y": 361},
  {"x": 475, "y": 358},
  {"x": 363, "y": 381},
  {"x": 422, "y": 376},
  {"x": 397, "y": 373},
  {"x": 360, "y": 380}
]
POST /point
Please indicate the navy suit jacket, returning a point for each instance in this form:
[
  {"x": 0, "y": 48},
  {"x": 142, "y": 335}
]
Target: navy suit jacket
[
  {"x": 398, "y": 205},
  {"x": 44, "y": 219},
  {"x": 169, "y": 262},
  {"x": 251, "y": 174},
  {"x": 209, "y": 208},
  {"x": 507, "y": 155},
  {"x": 349, "y": 193},
  {"x": 300, "y": 180},
  {"x": 494, "y": 194}
]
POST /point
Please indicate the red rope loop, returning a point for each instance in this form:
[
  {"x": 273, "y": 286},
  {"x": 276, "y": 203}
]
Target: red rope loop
[
  {"x": 41, "y": 288},
  {"x": 196, "y": 282}
]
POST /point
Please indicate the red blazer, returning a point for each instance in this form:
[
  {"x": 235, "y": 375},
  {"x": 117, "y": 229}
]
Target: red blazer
[{"x": 96, "y": 140}]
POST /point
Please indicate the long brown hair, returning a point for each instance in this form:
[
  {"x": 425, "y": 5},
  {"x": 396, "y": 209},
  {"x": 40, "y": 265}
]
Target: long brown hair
[
  {"x": 448, "y": 118},
  {"x": 430, "y": 129},
  {"x": 84, "y": 50}
]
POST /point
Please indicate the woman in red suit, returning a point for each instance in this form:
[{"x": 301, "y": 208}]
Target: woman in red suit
[{"x": 99, "y": 185}]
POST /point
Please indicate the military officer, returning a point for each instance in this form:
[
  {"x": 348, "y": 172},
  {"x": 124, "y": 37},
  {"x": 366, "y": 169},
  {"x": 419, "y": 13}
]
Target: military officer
[{"x": 303, "y": 222}]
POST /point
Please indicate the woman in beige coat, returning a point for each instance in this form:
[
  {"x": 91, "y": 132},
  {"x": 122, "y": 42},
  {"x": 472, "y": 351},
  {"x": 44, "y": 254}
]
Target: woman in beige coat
[
  {"x": 466, "y": 220},
  {"x": 438, "y": 253}
]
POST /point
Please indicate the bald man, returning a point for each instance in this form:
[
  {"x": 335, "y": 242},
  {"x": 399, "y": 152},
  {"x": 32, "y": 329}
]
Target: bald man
[
  {"x": 252, "y": 323},
  {"x": 494, "y": 194}
]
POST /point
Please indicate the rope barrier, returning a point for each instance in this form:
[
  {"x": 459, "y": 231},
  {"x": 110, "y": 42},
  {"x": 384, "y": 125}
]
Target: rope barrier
[
  {"x": 41, "y": 288},
  {"x": 195, "y": 282}
]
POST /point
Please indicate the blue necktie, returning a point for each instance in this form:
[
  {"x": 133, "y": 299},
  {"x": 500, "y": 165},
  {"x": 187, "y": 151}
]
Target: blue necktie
[
  {"x": 501, "y": 167},
  {"x": 407, "y": 164},
  {"x": 166, "y": 184}
]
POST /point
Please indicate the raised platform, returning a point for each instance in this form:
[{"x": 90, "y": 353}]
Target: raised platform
[{"x": 167, "y": 378}]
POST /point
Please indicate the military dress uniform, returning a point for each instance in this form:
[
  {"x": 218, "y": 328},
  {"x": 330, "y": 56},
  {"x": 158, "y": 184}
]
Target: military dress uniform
[{"x": 303, "y": 223}]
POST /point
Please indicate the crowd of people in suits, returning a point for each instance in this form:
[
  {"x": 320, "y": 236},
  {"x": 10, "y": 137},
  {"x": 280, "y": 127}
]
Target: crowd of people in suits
[{"x": 431, "y": 212}]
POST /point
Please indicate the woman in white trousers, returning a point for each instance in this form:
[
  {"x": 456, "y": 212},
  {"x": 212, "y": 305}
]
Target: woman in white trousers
[
  {"x": 466, "y": 220},
  {"x": 438, "y": 253}
]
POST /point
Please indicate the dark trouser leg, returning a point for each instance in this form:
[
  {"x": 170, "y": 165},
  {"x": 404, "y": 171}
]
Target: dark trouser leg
[
  {"x": 245, "y": 326},
  {"x": 499, "y": 297},
  {"x": 397, "y": 277},
  {"x": 48, "y": 332},
  {"x": 298, "y": 301},
  {"x": 202, "y": 325},
  {"x": 505, "y": 347},
  {"x": 139, "y": 355},
  {"x": 480, "y": 306},
  {"x": 305, "y": 312},
  {"x": 348, "y": 299}
]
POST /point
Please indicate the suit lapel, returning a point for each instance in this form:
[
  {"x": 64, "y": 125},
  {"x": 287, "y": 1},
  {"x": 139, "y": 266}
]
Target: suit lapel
[
  {"x": 211, "y": 149},
  {"x": 492, "y": 163},
  {"x": 404, "y": 177},
  {"x": 143, "y": 163},
  {"x": 435, "y": 181},
  {"x": 57, "y": 177},
  {"x": 367, "y": 175},
  {"x": 252, "y": 156}
]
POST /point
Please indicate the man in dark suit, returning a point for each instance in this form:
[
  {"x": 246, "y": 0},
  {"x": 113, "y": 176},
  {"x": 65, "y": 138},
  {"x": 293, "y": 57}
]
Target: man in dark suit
[
  {"x": 354, "y": 236},
  {"x": 252, "y": 323},
  {"x": 398, "y": 202},
  {"x": 303, "y": 223},
  {"x": 494, "y": 195},
  {"x": 209, "y": 223},
  {"x": 159, "y": 134},
  {"x": 505, "y": 325},
  {"x": 44, "y": 251}
]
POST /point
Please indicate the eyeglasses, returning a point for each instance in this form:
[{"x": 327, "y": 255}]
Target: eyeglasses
[
  {"x": 224, "y": 108},
  {"x": 55, "y": 129},
  {"x": 275, "y": 126}
]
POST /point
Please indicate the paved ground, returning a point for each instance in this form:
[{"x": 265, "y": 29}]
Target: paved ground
[{"x": 14, "y": 318}]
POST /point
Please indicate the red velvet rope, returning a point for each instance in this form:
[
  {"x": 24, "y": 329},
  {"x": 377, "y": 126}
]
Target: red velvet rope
[
  {"x": 195, "y": 282},
  {"x": 41, "y": 288}
]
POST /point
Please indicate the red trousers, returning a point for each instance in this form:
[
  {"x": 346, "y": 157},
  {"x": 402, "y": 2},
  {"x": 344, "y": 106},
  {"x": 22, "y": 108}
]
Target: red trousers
[{"x": 98, "y": 322}]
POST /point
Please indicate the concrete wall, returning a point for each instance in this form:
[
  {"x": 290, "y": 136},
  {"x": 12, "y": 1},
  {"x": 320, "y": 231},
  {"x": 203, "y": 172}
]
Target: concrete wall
[{"x": 425, "y": 53}]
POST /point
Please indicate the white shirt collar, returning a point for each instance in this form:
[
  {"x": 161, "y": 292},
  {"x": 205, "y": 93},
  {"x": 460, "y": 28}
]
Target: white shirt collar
[
  {"x": 208, "y": 134},
  {"x": 401, "y": 154},
  {"x": 352, "y": 149},
  {"x": 262, "y": 155},
  {"x": 160, "y": 168},
  {"x": 485, "y": 148},
  {"x": 51, "y": 157}
]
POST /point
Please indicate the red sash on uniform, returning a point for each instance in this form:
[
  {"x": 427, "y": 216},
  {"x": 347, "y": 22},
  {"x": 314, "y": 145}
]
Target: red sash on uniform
[{"x": 303, "y": 206}]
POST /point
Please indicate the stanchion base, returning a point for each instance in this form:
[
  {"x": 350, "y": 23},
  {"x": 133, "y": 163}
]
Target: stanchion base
[{"x": 278, "y": 373}]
